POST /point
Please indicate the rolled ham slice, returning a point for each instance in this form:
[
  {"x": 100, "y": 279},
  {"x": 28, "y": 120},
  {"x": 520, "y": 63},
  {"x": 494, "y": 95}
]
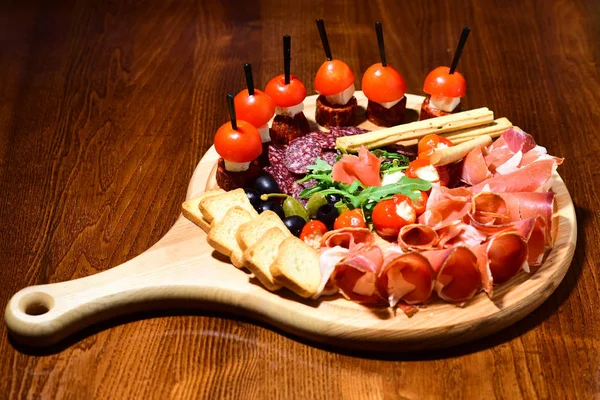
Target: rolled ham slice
[
  {"x": 458, "y": 277},
  {"x": 445, "y": 207},
  {"x": 474, "y": 169},
  {"x": 501, "y": 258},
  {"x": 536, "y": 177},
  {"x": 415, "y": 237},
  {"x": 329, "y": 258},
  {"x": 408, "y": 277},
  {"x": 347, "y": 237},
  {"x": 356, "y": 275},
  {"x": 493, "y": 212}
]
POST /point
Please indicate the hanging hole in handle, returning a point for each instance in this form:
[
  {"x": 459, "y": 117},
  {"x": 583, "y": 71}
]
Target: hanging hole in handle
[{"x": 36, "y": 303}]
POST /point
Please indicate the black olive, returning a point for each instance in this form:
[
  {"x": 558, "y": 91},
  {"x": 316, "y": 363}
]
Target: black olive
[
  {"x": 327, "y": 214},
  {"x": 265, "y": 184},
  {"x": 333, "y": 198},
  {"x": 273, "y": 206},
  {"x": 253, "y": 196},
  {"x": 295, "y": 224}
]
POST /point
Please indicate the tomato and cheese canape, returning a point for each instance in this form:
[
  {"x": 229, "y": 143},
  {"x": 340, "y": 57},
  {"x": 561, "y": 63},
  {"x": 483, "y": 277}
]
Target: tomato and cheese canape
[
  {"x": 254, "y": 106},
  {"x": 239, "y": 145},
  {"x": 334, "y": 81},
  {"x": 445, "y": 86},
  {"x": 383, "y": 85},
  {"x": 288, "y": 94},
  {"x": 444, "y": 93},
  {"x": 389, "y": 216}
]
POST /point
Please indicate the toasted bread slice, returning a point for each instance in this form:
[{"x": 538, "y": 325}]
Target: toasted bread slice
[
  {"x": 237, "y": 258},
  {"x": 222, "y": 235},
  {"x": 252, "y": 231},
  {"x": 297, "y": 267},
  {"x": 259, "y": 257},
  {"x": 214, "y": 208},
  {"x": 190, "y": 209}
]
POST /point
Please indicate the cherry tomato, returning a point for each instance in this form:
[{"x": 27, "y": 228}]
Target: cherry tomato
[
  {"x": 333, "y": 77},
  {"x": 389, "y": 216},
  {"x": 420, "y": 203},
  {"x": 421, "y": 168},
  {"x": 440, "y": 82},
  {"x": 429, "y": 143},
  {"x": 286, "y": 95},
  {"x": 351, "y": 218},
  {"x": 240, "y": 145},
  {"x": 257, "y": 109},
  {"x": 312, "y": 232},
  {"x": 382, "y": 84}
]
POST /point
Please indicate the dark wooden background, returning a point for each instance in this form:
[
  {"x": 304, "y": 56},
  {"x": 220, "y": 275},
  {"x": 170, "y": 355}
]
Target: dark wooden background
[{"x": 107, "y": 107}]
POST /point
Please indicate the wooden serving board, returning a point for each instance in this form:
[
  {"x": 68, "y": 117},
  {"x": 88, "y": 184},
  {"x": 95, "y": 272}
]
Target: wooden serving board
[{"x": 181, "y": 270}]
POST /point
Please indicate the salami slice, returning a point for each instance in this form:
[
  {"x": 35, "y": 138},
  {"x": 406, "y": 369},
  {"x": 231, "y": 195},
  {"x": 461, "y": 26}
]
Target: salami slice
[
  {"x": 276, "y": 154},
  {"x": 301, "y": 153},
  {"x": 326, "y": 139},
  {"x": 339, "y": 131},
  {"x": 282, "y": 176},
  {"x": 329, "y": 157}
]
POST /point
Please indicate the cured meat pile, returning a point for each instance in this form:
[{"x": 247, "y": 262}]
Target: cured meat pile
[
  {"x": 288, "y": 163},
  {"x": 468, "y": 239}
]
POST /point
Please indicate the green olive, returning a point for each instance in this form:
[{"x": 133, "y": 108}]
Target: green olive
[
  {"x": 291, "y": 206},
  {"x": 314, "y": 202}
]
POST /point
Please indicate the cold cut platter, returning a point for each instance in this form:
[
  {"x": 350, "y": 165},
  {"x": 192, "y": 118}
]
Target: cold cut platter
[
  {"x": 182, "y": 270},
  {"x": 375, "y": 220}
]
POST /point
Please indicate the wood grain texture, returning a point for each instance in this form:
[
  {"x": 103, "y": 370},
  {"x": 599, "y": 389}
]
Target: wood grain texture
[
  {"x": 108, "y": 106},
  {"x": 182, "y": 270}
]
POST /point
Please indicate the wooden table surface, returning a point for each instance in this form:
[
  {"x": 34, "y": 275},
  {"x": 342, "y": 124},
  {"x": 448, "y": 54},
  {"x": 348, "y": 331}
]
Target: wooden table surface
[{"x": 107, "y": 107}]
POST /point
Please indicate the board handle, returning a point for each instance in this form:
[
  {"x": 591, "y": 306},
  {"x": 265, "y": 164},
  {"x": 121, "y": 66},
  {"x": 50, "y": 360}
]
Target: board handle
[{"x": 45, "y": 314}]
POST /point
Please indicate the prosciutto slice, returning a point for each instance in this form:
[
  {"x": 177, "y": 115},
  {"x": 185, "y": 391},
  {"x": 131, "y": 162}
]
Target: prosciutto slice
[
  {"x": 474, "y": 169},
  {"x": 417, "y": 237},
  {"x": 533, "y": 230},
  {"x": 492, "y": 212},
  {"x": 502, "y": 256},
  {"x": 535, "y": 177},
  {"x": 458, "y": 277},
  {"x": 347, "y": 237},
  {"x": 329, "y": 258},
  {"x": 445, "y": 207},
  {"x": 356, "y": 275},
  {"x": 408, "y": 277}
]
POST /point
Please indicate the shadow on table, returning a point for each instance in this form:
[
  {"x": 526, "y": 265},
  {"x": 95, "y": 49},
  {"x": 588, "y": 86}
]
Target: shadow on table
[{"x": 549, "y": 307}]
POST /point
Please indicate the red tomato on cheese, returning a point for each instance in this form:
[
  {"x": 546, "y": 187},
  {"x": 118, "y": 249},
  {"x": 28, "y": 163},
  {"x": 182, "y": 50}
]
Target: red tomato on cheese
[
  {"x": 389, "y": 216},
  {"x": 429, "y": 143},
  {"x": 352, "y": 218},
  {"x": 382, "y": 84},
  {"x": 240, "y": 145},
  {"x": 286, "y": 95},
  {"x": 333, "y": 77},
  {"x": 421, "y": 168},
  {"x": 257, "y": 109},
  {"x": 440, "y": 82}
]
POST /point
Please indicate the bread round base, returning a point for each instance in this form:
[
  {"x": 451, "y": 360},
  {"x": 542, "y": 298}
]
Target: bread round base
[
  {"x": 285, "y": 129},
  {"x": 327, "y": 114},
  {"x": 427, "y": 111},
  {"x": 228, "y": 180},
  {"x": 381, "y": 116}
]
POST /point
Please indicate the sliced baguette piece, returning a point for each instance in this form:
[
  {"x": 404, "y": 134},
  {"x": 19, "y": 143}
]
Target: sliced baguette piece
[
  {"x": 214, "y": 208},
  {"x": 297, "y": 267},
  {"x": 259, "y": 257},
  {"x": 250, "y": 232},
  {"x": 222, "y": 235},
  {"x": 237, "y": 258},
  {"x": 190, "y": 209}
]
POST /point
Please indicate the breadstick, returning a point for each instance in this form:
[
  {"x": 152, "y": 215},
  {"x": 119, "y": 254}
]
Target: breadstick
[
  {"x": 416, "y": 130},
  {"x": 452, "y": 154},
  {"x": 495, "y": 129}
]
